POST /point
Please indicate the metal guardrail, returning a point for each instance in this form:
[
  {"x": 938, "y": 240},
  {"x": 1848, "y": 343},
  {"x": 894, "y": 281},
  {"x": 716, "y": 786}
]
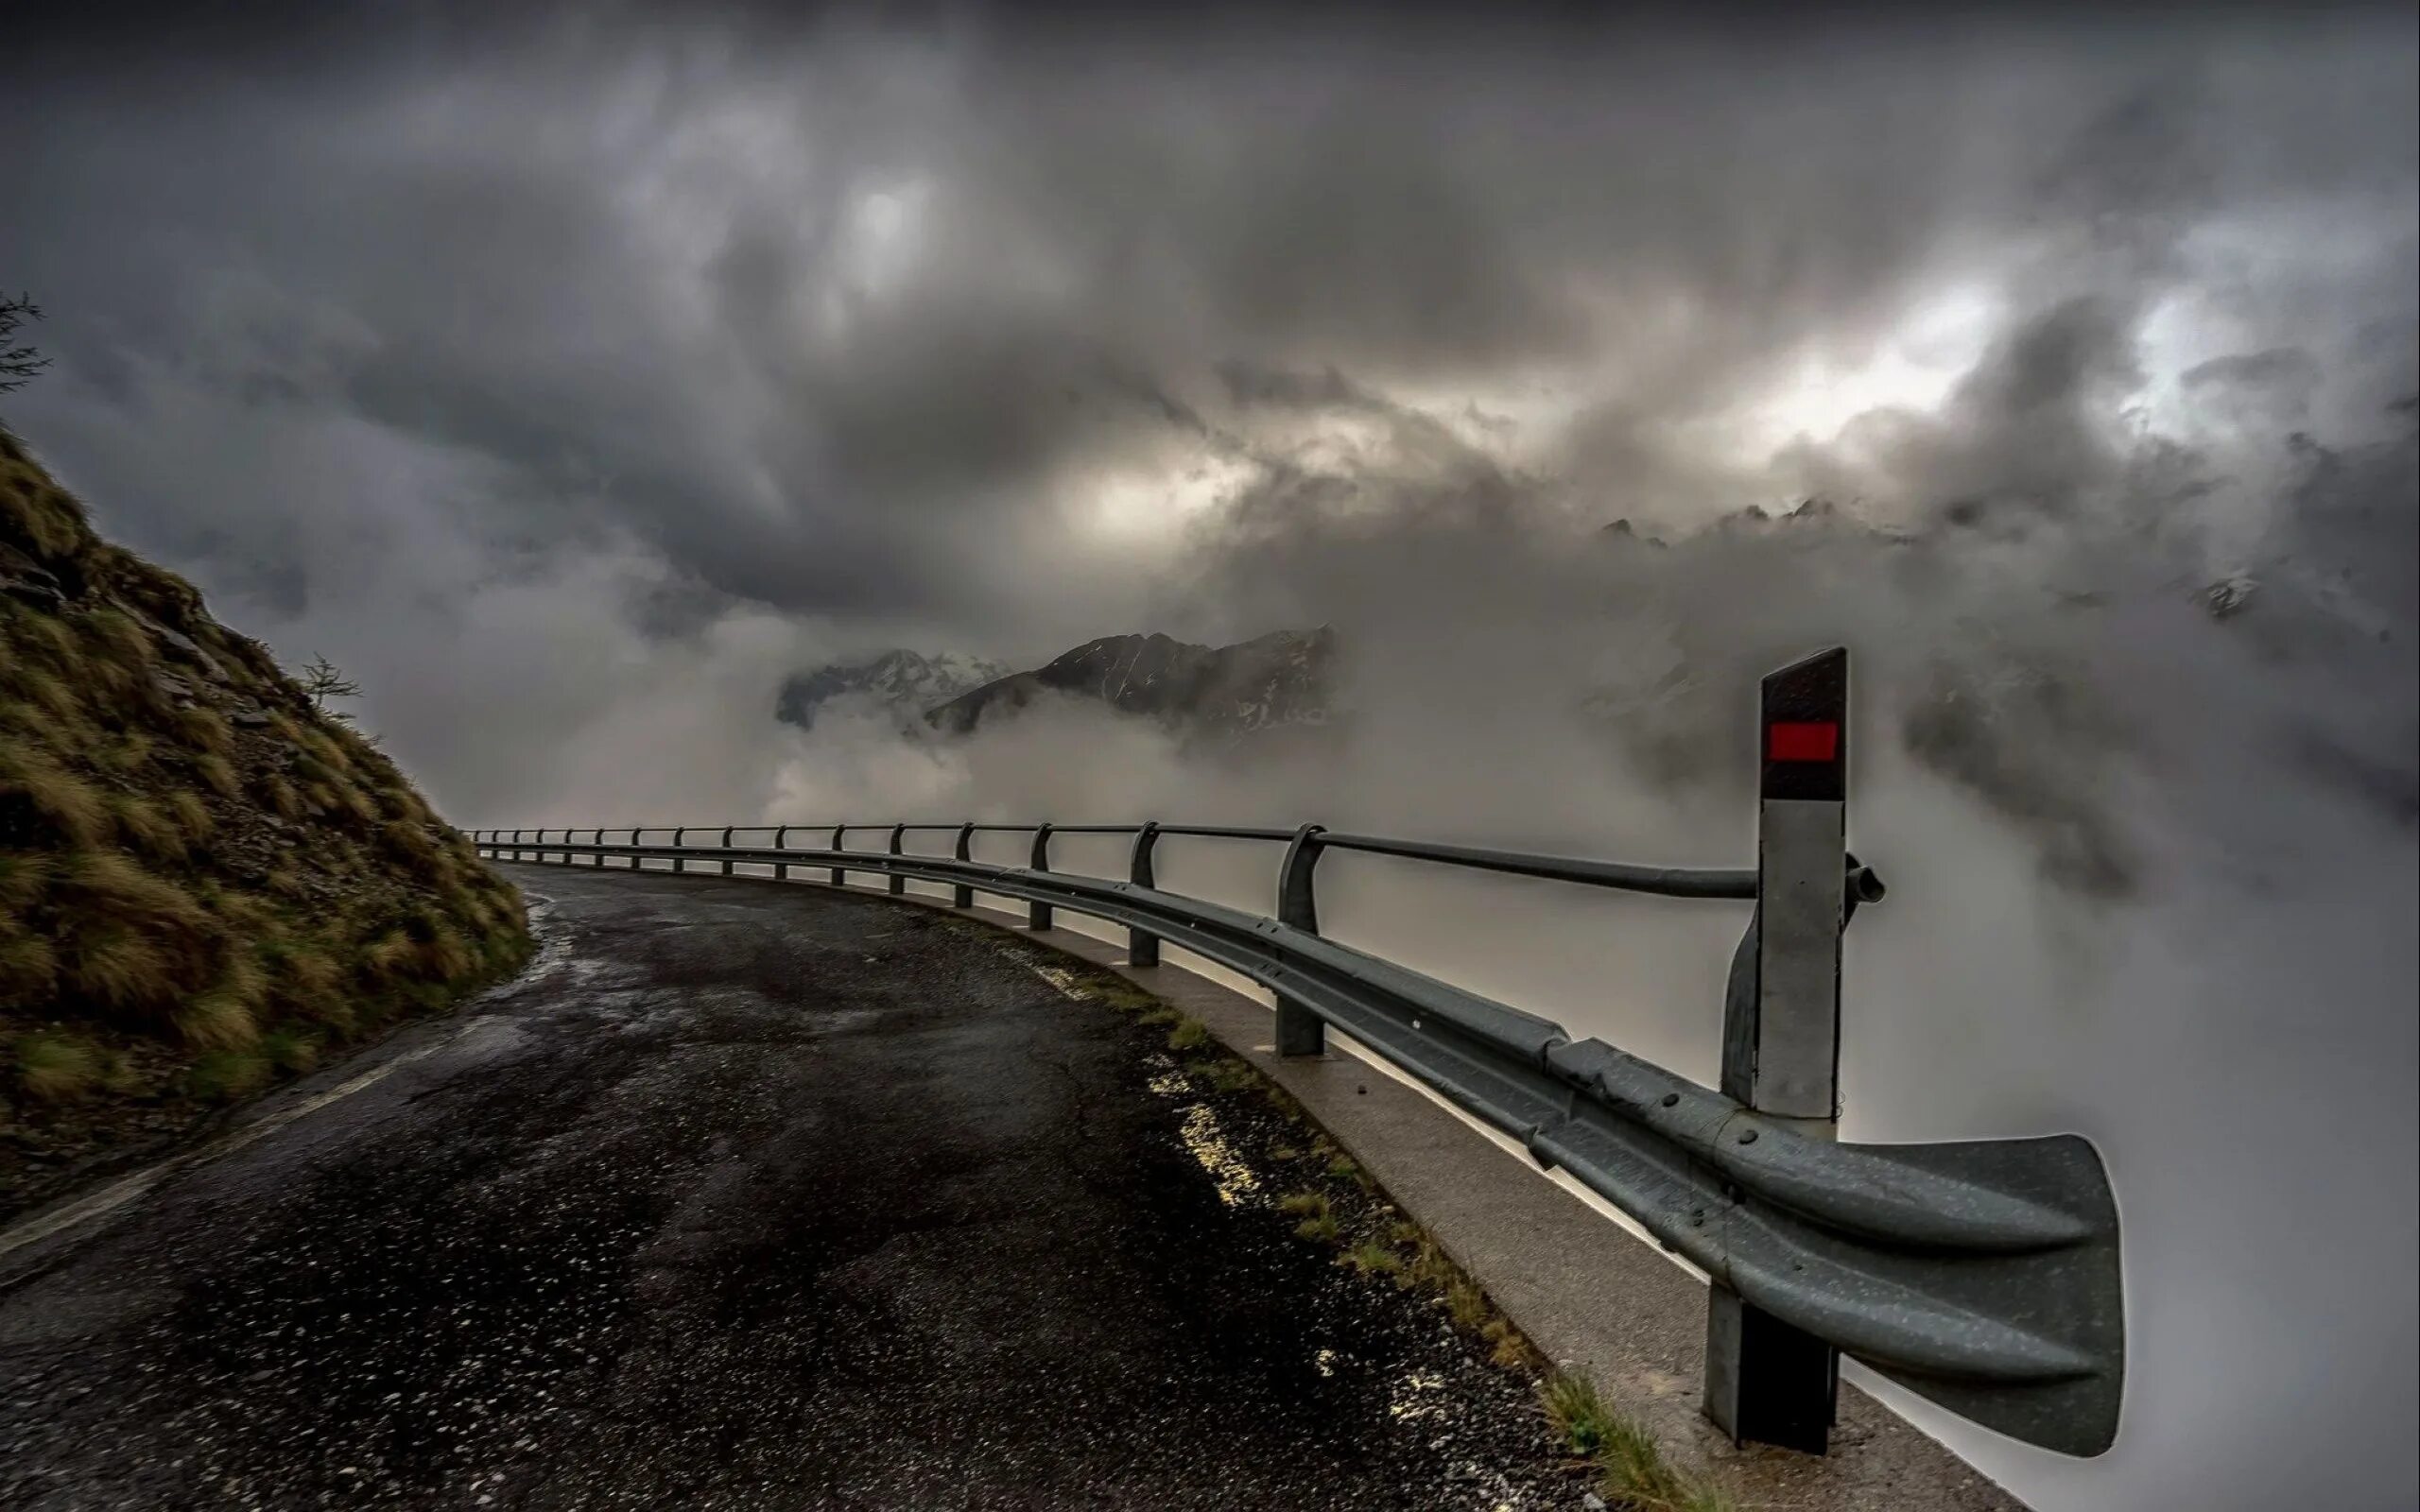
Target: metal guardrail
[{"x": 1983, "y": 1275}]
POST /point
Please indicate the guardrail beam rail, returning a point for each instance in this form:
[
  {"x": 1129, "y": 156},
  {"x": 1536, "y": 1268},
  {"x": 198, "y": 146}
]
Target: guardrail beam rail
[{"x": 1983, "y": 1275}]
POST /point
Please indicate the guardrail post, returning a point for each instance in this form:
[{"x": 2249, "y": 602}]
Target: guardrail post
[
  {"x": 962, "y": 896},
  {"x": 898, "y": 883},
  {"x": 680, "y": 842},
  {"x": 781, "y": 842},
  {"x": 726, "y": 845},
  {"x": 517, "y": 854},
  {"x": 1037, "y": 915},
  {"x": 1300, "y": 1032},
  {"x": 1766, "y": 1381},
  {"x": 635, "y": 832},
  {"x": 1143, "y": 948},
  {"x": 839, "y": 875}
]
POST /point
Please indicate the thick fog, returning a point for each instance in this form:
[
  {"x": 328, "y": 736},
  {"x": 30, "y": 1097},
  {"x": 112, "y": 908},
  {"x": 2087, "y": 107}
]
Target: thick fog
[{"x": 574, "y": 382}]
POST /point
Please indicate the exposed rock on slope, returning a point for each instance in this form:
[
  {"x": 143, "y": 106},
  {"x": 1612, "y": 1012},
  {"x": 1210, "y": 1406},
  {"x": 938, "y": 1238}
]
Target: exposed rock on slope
[{"x": 204, "y": 884}]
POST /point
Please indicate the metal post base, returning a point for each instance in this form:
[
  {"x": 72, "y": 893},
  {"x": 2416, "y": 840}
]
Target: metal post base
[
  {"x": 1300, "y": 1032},
  {"x": 1766, "y": 1382}
]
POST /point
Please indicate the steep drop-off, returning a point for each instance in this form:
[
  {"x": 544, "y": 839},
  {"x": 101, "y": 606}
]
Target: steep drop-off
[{"x": 206, "y": 883}]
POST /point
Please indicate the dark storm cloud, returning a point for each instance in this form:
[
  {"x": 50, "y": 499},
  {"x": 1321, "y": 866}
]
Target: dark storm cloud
[{"x": 855, "y": 317}]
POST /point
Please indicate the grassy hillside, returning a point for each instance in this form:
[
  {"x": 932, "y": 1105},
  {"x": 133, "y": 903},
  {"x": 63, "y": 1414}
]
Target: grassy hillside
[{"x": 206, "y": 885}]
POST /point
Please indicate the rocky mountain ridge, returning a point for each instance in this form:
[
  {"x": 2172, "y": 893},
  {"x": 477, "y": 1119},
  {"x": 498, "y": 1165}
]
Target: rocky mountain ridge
[
  {"x": 899, "y": 680},
  {"x": 1227, "y": 692}
]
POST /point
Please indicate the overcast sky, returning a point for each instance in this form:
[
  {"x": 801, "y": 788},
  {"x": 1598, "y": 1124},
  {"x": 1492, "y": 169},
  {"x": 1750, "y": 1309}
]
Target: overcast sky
[
  {"x": 521, "y": 365},
  {"x": 573, "y": 379}
]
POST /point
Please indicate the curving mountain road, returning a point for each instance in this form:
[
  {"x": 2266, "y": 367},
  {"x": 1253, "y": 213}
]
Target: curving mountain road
[{"x": 745, "y": 1197}]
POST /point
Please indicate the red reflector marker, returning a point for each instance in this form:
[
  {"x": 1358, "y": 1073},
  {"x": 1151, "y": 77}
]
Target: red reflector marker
[{"x": 1788, "y": 740}]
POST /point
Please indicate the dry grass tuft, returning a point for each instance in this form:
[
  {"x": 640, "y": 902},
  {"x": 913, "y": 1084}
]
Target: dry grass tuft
[
  {"x": 1232, "y": 1074},
  {"x": 291, "y": 1050},
  {"x": 47, "y": 514},
  {"x": 360, "y": 805},
  {"x": 219, "y": 774},
  {"x": 224, "y": 1076},
  {"x": 385, "y": 958},
  {"x": 126, "y": 755},
  {"x": 45, "y": 688},
  {"x": 1576, "y": 1413},
  {"x": 24, "y": 874},
  {"x": 1318, "y": 1223},
  {"x": 1466, "y": 1303},
  {"x": 29, "y": 965},
  {"x": 207, "y": 731},
  {"x": 47, "y": 798},
  {"x": 1371, "y": 1257},
  {"x": 1507, "y": 1347},
  {"x": 446, "y": 957},
  {"x": 55, "y": 1067},
  {"x": 118, "y": 968},
  {"x": 216, "y": 1020},
  {"x": 146, "y": 830},
  {"x": 118, "y": 639},
  {"x": 190, "y": 814},
  {"x": 117, "y": 886},
  {"x": 1632, "y": 1474}
]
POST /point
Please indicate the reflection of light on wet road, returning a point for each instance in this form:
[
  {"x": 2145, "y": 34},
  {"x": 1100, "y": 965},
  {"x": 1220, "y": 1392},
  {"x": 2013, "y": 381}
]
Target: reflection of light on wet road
[
  {"x": 1201, "y": 1134},
  {"x": 1415, "y": 1397},
  {"x": 1057, "y": 976},
  {"x": 1209, "y": 1145}
]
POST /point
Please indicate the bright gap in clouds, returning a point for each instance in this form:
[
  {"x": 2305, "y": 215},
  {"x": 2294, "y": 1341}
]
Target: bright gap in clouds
[
  {"x": 1914, "y": 366},
  {"x": 1151, "y": 506}
]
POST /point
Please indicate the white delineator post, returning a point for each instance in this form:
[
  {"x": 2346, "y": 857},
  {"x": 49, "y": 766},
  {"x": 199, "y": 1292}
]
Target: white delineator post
[{"x": 1767, "y": 1382}]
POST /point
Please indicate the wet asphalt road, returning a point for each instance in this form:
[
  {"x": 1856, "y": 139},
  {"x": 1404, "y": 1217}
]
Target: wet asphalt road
[{"x": 745, "y": 1197}]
